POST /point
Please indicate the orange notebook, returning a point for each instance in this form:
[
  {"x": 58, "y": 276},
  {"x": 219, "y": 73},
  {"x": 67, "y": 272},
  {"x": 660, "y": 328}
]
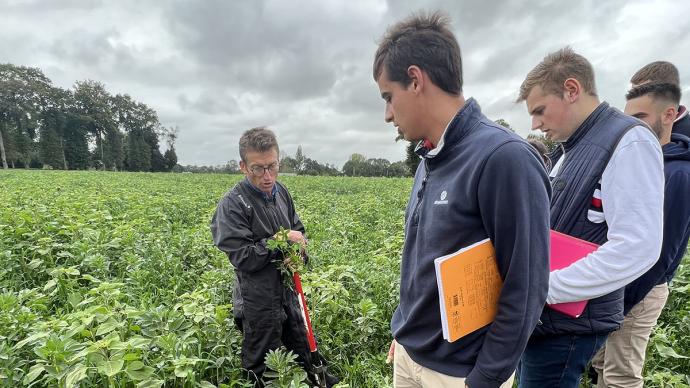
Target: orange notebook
[
  {"x": 468, "y": 288},
  {"x": 566, "y": 250}
]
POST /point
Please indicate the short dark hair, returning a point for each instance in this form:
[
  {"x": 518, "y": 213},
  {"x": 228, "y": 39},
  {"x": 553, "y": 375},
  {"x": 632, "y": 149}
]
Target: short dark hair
[
  {"x": 259, "y": 139},
  {"x": 657, "y": 90},
  {"x": 424, "y": 40},
  {"x": 550, "y": 74},
  {"x": 658, "y": 71}
]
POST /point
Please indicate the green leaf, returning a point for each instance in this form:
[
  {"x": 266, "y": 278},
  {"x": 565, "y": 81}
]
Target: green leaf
[
  {"x": 136, "y": 365},
  {"x": 72, "y": 271},
  {"x": 667, "y": 351},
  {"x": 182, "y": 371},
  {"x": 138, "y": 371},
  {"x": 76, "y": 375},
  {"x": 107, "y": 326},
  {"x": 50, "y": 285},
  {"x": 111, "y": 368},
  {"x": 138, "y": 342},
  {"x": 206, "y": 384},
  {"x": 34, "y": 372},
  {"x": 90, "y": 278},
  {"x": 30, "y": 338},
  {"x": 83, "y": 353},
  {"x": 73, "y": 330},
  {"x": 131, "y": 357},
  {"x": 150, "y": 384}
]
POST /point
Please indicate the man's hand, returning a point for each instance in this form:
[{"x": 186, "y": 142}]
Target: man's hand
[
  {"x": 391, "y": 353},
  {"x": 297, "y": 237}
]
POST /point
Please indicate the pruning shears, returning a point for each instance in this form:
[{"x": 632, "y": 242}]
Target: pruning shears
[{"x": 318, "y": 369}]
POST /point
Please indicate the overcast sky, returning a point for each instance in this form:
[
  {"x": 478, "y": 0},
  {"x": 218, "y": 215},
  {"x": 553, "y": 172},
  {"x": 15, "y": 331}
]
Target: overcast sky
[{"x": 217, "y": 68}]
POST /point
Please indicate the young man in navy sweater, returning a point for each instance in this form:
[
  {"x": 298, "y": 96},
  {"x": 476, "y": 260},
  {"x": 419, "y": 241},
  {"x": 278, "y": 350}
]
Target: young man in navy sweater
[
  {"x": 620, "y": 362},
  {"x": 477, "y": 180}
]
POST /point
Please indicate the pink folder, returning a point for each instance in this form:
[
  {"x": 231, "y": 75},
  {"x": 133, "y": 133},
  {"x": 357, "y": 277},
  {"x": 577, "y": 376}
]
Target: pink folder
[{"x": 566, "y": 250}]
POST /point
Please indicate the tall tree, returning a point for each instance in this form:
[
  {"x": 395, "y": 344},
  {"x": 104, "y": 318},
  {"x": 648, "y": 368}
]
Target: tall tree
[
  {"x": 138, "y": 152},
  {"x": 54, "y": 125},
  {"x": 50, "y": 148},
  {"x": 142, "y": 128},
  {"x": 75, "y": 142},
  {"x": 412, "y": 160},
  {"x": 299, "y": 159},
  {"x": 22, "y": 98},
  {"x": 93, "y": 100},
  {"x": 170, "y": 155},
  {"x": 2, "y": 145},
  {"x": 504, "y": 124}
]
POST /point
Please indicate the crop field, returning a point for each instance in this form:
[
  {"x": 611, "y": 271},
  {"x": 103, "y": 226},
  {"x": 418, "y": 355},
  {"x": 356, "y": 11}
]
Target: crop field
[{"x": 112, "y": 280}]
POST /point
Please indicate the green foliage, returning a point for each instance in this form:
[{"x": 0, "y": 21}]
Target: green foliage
[
  {"x": 138, "y": 153},
  {"x": 291, "y": 251},
  {"x": 412, "y": 160},
  {"x": 283, "y": 371},
  {"x": 46, "y": 126},
  {"x": 170, "y": 157},
  {"x": 504, "y": 124},
  {"x": 359, "y": 165},
  {"x": 51, "y": 148},
  {"x": 668, "y": 354},
  {"x": 111, "y": 279}
]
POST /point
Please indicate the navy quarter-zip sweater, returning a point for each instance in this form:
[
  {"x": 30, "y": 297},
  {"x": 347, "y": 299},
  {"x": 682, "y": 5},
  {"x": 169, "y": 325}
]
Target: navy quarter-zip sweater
[
  {"x": 485, "y": 181},
  {"x": 676, "y": 221}
]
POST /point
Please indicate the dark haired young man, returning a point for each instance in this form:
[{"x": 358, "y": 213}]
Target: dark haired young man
[
  {"x": 477, "y": 180},
  {"x": 620, "y": 362},
  {"x": 664, "y": 72}
]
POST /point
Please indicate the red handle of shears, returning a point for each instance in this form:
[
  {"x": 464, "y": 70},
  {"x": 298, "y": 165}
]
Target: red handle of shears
[{"x": 305, "y": 311}]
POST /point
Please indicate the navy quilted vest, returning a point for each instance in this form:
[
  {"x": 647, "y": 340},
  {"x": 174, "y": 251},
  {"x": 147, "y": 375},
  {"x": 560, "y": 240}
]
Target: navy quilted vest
[{"x": 587, "y": 152}]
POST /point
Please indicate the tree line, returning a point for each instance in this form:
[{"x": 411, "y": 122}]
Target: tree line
[
  {"x": 300, "y": 164},
  {"x": 85, "y": 127},
  {"x": 356, "y": 165}
]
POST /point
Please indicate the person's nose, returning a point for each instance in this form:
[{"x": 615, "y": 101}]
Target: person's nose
[
  {"x": 388, "y": 114},
  {"x": 536, "y": 123}
]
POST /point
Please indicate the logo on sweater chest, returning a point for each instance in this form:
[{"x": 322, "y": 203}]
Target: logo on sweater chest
[{"x": 443, "y": 200}]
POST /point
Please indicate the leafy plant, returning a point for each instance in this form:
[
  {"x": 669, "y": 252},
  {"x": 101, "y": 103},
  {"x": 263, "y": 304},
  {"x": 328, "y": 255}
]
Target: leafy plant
[
  {"x": 283, "y": 370},
  {"x": 293, "y": 253}
]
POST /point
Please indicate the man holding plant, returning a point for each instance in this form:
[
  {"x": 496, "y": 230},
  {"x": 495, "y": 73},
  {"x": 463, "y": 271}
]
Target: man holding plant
[{"x": 256, "y": 211}]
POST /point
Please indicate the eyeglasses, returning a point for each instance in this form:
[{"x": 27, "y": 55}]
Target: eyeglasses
[{"x": 259, "y": 171}]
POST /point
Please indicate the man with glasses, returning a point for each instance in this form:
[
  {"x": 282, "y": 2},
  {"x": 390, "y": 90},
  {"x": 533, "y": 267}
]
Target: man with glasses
[{"x": 247, "y": 217}]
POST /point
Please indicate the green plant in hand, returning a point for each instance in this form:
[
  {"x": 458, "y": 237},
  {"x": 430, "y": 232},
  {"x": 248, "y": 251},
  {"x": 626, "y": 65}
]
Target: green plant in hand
[{"x": 292, "y": 253}]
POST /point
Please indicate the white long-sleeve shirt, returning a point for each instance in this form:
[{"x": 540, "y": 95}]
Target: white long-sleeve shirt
[{"x": 632, "y": 195}]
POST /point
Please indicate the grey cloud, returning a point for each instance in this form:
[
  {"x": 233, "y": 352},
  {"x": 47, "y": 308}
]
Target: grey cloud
[
  {"x": 210, "y": 103},
  {"x": 216, "y": 68},
  {"x": 236, "y": 44}
]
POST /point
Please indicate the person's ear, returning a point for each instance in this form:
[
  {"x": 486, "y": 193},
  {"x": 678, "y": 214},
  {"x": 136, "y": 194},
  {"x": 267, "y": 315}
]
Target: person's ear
[
  {"x": 571, "y": 89},
  {"x": 668, "y": 116},
  {"x": 416, "y": 78}
]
